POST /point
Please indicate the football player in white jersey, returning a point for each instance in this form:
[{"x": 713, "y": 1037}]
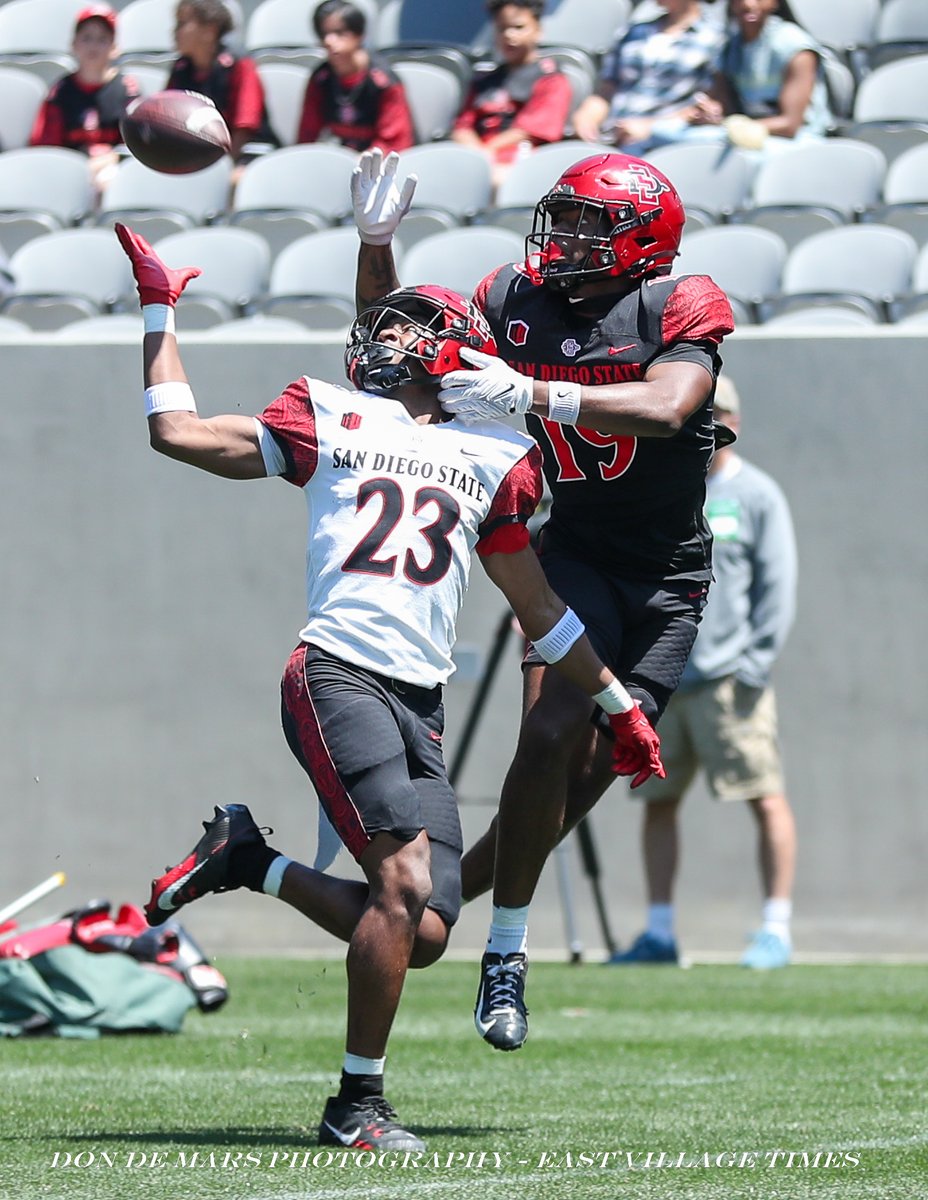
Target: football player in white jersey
[{"x": 398, "y": 496}]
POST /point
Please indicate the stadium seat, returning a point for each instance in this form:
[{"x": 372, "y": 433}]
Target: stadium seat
[
  {"x": 294, "y": 191},
  {"x": 459, "y": 258},
  {"x": 917, "y": 301},
  {"x": 151, "y": 77},
  {"x": 812, "y": 187},
  {"x": 897, "y": 91},
  {"x": 901, "y": 30},
  {"x": 46, "y": 67},
  {"x": 155, "y": 204},
  {"x": 591, "y": 25},
  {"x": 529, "y": 178},
  {"x": 42, "y": 188},
  {"x": 746, "y": 262},
  {"x": 312, "y": 279},
  {"x": 235, "y": 263},
  {"x": 818, "y": 316},
  {"x": 257, "y": 328},
  {"x": 66, "y": 275},
  {"x": 865, "y": 267},
  {"x": 284, "y": 88},
  {"x": 454, "y": 184},
  {"x": 146, "y": 32},
  {"x": 36, "y": 27},
  {"x": 714, "y": 180},
  {"x": 21, "y": 95},
  {"x": 434, "y": 95},
  {"x": 449, "y": 57},
  {"x": 905, "y": 195},
  {"x": 13, "y": 330},
  {"x": 119, "y": 327},
  {"x": 846, "y": 26}
]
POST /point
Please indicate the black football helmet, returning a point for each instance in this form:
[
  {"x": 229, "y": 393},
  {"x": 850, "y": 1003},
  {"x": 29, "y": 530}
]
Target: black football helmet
[
  {"x": 623, "y": 212},
  {"x": 445, "y": 322}
]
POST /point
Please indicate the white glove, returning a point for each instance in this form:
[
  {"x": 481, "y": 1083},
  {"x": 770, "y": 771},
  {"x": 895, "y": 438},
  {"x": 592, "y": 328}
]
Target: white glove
[
  {"x": 379, "y": 204},
  {"x": 493, "y": 390}
]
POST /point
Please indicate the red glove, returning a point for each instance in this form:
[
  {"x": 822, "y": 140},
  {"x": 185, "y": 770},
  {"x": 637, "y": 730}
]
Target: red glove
[
  {"x": 637, "y": 747},
  {"x": 157, "y": 283}
]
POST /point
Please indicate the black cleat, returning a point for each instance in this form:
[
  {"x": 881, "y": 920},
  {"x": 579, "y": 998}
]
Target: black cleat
[
  {"x": 500, "y": 1013},
  {"x": 206, "y": 867},
  {"x": 366, "y": 1124}
]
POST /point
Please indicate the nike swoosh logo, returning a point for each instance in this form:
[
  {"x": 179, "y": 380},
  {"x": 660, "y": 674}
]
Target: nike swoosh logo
[
  {"x": 346, "y": 1139},
  {"x": 165, "y": 900},
  {"x": 619, "y": 349}
]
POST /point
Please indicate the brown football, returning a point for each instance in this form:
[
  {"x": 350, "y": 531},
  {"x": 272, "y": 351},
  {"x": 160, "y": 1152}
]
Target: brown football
[{"x": 175, "y": 132}]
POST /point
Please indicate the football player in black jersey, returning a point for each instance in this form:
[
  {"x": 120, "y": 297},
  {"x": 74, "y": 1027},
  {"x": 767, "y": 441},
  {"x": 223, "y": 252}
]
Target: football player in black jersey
[{"x": 612, "y": 360}]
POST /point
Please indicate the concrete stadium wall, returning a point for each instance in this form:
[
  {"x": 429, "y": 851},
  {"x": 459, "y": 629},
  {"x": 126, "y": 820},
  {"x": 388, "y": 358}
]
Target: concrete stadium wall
[{"x": 148, "y": 611}]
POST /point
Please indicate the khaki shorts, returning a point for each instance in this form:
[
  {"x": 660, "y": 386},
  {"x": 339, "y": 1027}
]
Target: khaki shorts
[{"x": 728, "y": 729}]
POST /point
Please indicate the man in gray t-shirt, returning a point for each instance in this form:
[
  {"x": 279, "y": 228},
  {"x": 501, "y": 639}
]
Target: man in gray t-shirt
[{"x": 723, "y": 716}]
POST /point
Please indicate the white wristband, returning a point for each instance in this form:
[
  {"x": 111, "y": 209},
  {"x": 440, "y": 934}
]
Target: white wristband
[
  {"x": 169, "y": 397},
  {"x": 614, "y": 698},
  {"x": 158, "y": 318},
  {"x": 564, "y": 403},
  {"x": 559, "y": 639}
]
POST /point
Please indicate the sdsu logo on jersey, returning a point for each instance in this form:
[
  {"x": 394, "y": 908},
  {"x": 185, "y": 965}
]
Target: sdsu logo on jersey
[{"x": 570, "y": 347}]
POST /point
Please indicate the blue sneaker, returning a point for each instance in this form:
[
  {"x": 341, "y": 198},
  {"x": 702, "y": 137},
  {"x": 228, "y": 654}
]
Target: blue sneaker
[
  {"x": 766, "y": 952},
  {"x": 646, "y": 948}
]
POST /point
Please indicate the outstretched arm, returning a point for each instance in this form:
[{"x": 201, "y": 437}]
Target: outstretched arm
[
  {"x": 379, "y": 203},
  {"x": 558, "y": 636},
  {"x": 226, "y": 445}
]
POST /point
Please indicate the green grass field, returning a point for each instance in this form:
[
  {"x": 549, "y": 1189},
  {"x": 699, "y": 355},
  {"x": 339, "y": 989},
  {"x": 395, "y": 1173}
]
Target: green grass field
[{"x": 725, "y": 1071}]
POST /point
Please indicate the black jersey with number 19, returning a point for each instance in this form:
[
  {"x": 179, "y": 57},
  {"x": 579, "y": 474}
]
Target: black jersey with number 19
[{"x": 630, "y": 503}]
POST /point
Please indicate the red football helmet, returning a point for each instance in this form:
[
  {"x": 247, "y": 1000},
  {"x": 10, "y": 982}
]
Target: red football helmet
[
  {"x": 445, "y": 322},
  {"x": 608, "y": 215}
]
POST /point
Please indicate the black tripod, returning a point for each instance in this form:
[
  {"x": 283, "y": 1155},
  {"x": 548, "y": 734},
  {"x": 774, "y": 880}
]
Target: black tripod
[{"x": 588, "y": 852}]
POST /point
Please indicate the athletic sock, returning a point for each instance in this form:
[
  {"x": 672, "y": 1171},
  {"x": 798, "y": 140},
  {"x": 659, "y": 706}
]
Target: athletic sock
[
  {"x": 508, "y": 930},
  {"x": 361, "y": 1077},
  {"x": 660, "y": 922},
  {"x": 776, "y": 917},
  {"x": 248, "y": 865}
]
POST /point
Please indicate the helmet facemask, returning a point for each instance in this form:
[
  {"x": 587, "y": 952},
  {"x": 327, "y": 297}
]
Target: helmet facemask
[
  {"x": 606, "y": 232},
  {"x": 442, "y": 321}
]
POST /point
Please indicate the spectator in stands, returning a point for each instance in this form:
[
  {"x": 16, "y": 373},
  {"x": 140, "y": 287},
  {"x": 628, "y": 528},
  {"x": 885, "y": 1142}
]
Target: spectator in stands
[
  {"x": 723, "y": 715},
  {"x": 353, "y": 97},
  {"x": 770, "y": 88},
  {"x": 83, "y": 109},
  {"x": 650, "y": 79},
  {"x": 521, "y": 103},
  {"x": 231, "y": 82}
]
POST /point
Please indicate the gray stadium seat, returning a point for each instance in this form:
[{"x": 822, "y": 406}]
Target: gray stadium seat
[
  {"x": 897, "y": 91},
  {"x": 21, "y": 94},
  {"x": 66, "y": 275},
  {"x": 294, "y": 191},
  {"x": 146, "y": 32},
  {"x": 121, "y": 327},
  {"x": 917, "y": 301},
  {"x": 13, "y": 330},
  {"x": 529, "y": 178},
  {"x": 592, "y": 25},
  {"x": 235, "y": 262},
  {"x": 459, "y": 258},
  {"x": 151, "y": 77},
  {"x": 905, "y": 195},
  {"x": 809, "y": 188},
  {"x": 434, "y": 95},
  {"x": 746, "y": 262},
  {"x": 866, "y": 267},
  {"x": 901, "y": 30},
  {"x": 42, "y": 188},
  {"x": 155, "y": 204},
  {"x": 257, "y": 328},
  {"x": 312, "y": 279},
  {"x": 715, "y": 180},
  {"x": 284, "y": 89},
  {"x": 449, "y": 57},
  {"x": 454, "y": 184},
  {"x": 819, "y": 316},
  {"x": 36, "y": 27},
  {"x": 844, "y": 25}
]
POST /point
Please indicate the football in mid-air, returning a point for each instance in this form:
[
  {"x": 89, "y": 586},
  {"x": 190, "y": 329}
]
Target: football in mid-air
[{"x": 175, "y": 132}]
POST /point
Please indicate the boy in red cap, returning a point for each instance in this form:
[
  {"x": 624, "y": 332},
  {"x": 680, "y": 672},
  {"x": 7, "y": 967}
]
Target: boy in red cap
[{"x": 83, "y": 109}]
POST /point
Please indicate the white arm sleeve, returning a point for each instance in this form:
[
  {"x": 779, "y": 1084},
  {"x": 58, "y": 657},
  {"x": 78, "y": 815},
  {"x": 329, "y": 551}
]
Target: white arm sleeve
[{"x": 274, "y": 462}]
